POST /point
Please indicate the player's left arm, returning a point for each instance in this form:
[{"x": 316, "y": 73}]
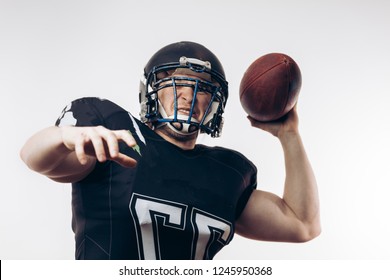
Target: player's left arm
[{"x": 294, "y": 217}]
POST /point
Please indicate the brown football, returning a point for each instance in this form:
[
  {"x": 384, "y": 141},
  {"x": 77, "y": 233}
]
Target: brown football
[{"x": 270, "y": 87}]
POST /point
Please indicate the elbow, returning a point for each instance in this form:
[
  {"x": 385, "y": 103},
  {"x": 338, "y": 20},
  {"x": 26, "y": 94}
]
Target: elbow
[
  {"x": 314, "y": 228},
  {"x": 316, "y": 231},
  {"x": 312, "y": 235},
  {"x": 309, "y": 233},
  {"x": 27, "y": 157},
  {"x": 24, "y": 156}
]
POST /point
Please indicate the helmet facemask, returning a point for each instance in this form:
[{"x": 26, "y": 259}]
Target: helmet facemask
[{"x": 190, "y": 73}]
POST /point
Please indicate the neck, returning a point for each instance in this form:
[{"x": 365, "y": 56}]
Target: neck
[{"x": 185, "y": 142}]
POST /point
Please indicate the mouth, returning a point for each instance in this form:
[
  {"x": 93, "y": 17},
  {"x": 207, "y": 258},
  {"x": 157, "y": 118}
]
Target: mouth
[{"x": 186, "y": 111}]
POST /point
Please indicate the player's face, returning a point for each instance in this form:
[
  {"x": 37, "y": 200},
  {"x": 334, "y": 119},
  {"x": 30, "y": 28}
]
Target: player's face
[{"x": 185, "y": 96}]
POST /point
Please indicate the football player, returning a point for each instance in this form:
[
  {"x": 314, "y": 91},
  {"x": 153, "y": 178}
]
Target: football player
[{"x": 143, "y": 189}]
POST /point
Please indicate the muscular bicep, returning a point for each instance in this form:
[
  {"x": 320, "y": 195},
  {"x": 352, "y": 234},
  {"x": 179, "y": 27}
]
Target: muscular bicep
[
  {"x": 70, "y": 170},
  {"x": 267, "y": 217}
]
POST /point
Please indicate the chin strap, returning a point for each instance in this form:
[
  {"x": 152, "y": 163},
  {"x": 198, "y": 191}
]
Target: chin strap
[{"x": 182, "y": 128}]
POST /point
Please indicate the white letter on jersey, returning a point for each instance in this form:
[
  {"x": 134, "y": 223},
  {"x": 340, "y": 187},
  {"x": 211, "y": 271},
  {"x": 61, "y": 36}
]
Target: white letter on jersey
[
  {"x": 147, "y": 209},
  {"x": 207, "y": 229}
]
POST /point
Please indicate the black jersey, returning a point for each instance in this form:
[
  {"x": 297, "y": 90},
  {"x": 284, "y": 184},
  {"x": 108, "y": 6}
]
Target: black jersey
[{"x": 176, "y": 204}]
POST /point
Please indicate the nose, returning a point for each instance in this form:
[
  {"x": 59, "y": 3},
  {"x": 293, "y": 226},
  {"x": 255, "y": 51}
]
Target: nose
[{"x": 185, "y": 93}]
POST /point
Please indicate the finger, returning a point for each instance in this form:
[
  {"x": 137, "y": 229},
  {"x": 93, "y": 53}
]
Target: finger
[
  {"x": 252, "y": 120},
  {"x": 111, "y": 138},
  {"x": 270, "y": 127},
  {"x": 126, "y": 136},
  {"x": 256, "y": 123},
  {"x": 125, "y": 161},
  {"x": 98, "y": 145},
  {"x": 79, "y": 150},
  {"x": 111, "y": 143}
]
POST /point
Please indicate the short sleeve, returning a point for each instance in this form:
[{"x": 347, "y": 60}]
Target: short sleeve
[
  {"x": 81, "y": 112},
  {"x": 243, "y": 200}
]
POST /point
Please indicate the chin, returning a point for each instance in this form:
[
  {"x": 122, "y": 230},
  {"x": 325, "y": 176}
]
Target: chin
[{"x": 166, "y": 130}]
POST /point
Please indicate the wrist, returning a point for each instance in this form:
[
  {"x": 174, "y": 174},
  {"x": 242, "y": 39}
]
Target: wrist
[
  {"x": 289, "y": 136},
  {"x": 66, "y": 142}
]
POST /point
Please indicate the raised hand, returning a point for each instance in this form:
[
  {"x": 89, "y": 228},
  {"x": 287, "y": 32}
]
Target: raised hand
[{"x": 279, "y": 128}]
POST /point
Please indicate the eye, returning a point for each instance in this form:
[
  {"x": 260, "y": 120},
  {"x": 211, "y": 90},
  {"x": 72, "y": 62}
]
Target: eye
[{"x": 207, "y": 88}]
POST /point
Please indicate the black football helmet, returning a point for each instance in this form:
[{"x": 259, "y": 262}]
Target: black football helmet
[{"x": 197, "y": 61}]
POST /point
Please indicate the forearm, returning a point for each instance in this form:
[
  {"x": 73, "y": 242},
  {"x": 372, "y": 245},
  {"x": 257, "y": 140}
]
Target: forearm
[
  {"x": 45, "y": 150},
  {"x": 300, "y": 192},
  {"x": 68, "y": 154}
]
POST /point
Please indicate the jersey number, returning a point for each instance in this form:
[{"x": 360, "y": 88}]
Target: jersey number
[{"x": 148, "y": 211}]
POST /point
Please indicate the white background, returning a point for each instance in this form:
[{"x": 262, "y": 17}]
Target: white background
[{"x": 52, "y": 52}]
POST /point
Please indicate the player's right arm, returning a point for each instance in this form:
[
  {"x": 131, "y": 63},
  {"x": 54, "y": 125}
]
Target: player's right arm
[{"x": 69, "y": 153}]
